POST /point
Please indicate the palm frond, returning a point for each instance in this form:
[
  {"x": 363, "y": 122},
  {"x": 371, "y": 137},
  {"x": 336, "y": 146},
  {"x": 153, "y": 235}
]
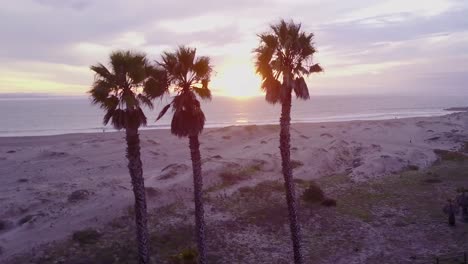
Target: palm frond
[
  {"x": 202, "y": 67},
  {"x": 124, "y": 87},
  {"x": 156, "y": 83},
  {"x": 100, "y": 90},
  {"x": 101, "y": 71},
  {"x": 163, "y": 112},
  {"x": 272, "y": 88},
  {"x": 188, "y": 117},
  {"x": 130, "y": 100},
  {"x": 110, "y": 103},
  {"x": 187, "y": 122},
  {"x": 300, "y": 89},
  {"x": 136, "y": 68},
  {"x": 118, "y": 119},
  {"x": 107, "y": 117},
  {"x": 285, "y": 53},
  {"x": 315, "y": 68},
  {"x": 186, "y": 56},
  {"x": 204, "y": 93},
  {"x": 189, "y": 76},
  {"x": 144, "y": 100}
]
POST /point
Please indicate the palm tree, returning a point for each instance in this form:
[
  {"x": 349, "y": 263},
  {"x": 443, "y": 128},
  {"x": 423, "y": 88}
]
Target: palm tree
[
  {"x": 189, "y": 77},
  {"x": 121, "y": 92},
  {"x": 285, "y": 53}
]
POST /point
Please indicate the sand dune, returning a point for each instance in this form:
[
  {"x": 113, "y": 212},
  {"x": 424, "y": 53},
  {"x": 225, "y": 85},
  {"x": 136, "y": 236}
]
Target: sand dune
[{"x": 51, "y": 186}]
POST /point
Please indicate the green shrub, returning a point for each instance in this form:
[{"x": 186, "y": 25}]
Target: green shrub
[
  {"x": 3, "y": 225},
  {"x": 187, "y": 256},
  {"x": 433, "y": 180},
  {"x": 313, "y": 194},
  {"x": 151, "y": 192},
  {"x": 465, "y": 147},
  {"x": 450, "y": 155},
  {"x": 296, "y": 164},
  {"x": 25, "y": 219},
  {"x": 78, "y": 195},
  {"x": 86, "y": 236},
  {"x": 231, "y": 177},
  {"x": 412, "y": 167},
  {"x": 329, "y": 202}
]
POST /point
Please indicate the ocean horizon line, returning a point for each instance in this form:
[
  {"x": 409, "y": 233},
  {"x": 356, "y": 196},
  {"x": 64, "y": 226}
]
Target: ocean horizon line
[{"x": 317, "y": 120}]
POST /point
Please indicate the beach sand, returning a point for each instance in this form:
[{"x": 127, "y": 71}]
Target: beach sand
[{"x": 51, "y": 186}]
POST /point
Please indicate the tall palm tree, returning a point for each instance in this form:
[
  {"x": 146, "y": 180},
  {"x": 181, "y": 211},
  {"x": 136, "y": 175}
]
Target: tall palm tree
[
  {"x": 122, "y": 91},
  {"x": 188, "y": 76},
  {"x": 283, "y": 59}
]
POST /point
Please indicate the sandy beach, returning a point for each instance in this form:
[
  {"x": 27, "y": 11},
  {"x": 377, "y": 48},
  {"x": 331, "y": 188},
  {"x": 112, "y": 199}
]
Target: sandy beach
[{"x": 51, "y": 186}]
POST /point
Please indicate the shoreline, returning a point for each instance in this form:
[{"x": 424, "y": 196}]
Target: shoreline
[{"x": 215, "y": 126}]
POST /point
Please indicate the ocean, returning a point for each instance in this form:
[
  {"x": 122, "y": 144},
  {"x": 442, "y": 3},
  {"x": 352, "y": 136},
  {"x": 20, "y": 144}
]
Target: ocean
[{"x": 36, "y": 116}]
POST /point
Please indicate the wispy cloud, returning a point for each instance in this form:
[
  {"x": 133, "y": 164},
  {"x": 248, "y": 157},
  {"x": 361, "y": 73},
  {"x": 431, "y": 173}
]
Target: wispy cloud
[{"x": 365, "y": 46}]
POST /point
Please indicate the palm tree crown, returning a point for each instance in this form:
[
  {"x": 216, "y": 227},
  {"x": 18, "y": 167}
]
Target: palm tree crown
[
  {"x": 188, "y": 75},
  {"x": 285, "y": 52},
  {"x": 122, "y": 91}
]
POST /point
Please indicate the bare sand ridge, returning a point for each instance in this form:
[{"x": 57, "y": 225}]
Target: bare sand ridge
[{"x": 51, "y": 186}]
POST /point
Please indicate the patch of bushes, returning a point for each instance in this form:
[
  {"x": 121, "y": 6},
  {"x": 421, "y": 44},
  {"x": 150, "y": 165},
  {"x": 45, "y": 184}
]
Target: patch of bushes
[
  {"x": 86, "y": 236},
  {"x": 450, "y": 155},
  {"x": 313, "y": 194},
  {"x": 244, "y": 190},
  {"x": 251, "y": 128},
  {"x": 412, "y": 167},
  {"x": 25, "y": 219},
  {"x": 3, "y": 225},
  {"x": 151, "y": 191},
  {"x": 231, "y": 177},
  {"x": 172, "y": 239},
  {"x": 296, "y": 164},
  {"x": 78, "y": 195},
  {"x": 329, "y": 202},
  {"x": 465, "y": 147},
  {"x": 187, "y": 256},
  {"x": 263, "y": 191},
  {"x": 433, "y": 180}
]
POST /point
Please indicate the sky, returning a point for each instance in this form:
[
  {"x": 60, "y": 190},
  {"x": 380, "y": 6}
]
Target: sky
[{"x": 365, "y": 46}]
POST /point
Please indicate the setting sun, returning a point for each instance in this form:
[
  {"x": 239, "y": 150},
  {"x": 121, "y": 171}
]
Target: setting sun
[{"x": 237, "y": 78}]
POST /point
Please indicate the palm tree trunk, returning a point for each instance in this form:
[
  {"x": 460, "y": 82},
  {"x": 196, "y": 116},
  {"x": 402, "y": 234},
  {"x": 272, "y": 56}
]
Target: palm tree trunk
[
  {"x": 198, "y": 191},
  {"x": 285, "y": 145},
  {"x": 136, "y": 173}
]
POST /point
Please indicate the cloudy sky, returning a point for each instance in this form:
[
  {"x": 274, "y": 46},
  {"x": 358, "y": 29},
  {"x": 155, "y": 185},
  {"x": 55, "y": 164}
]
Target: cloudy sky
[{"x": 365, "y": 46}]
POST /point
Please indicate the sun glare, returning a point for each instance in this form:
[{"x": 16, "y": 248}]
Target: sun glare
[{"x": 237, "y": 79}]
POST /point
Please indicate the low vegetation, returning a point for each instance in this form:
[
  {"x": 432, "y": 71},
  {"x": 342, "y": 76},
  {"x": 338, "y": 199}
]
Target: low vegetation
[
  {"x": 329, "y": 202},
  {"x": 25, "y": 219},
  {"x": 78, "y": 195},
  {"x": 313, "y": 194},
  {"x": 187, "y": 256},
  {"x": 87, "y": 236},
  {"x": 447, "y": 155},
  {"x": 396, "y": 211},
  {"x": 296, "y": 164},
  {"x": 232, "y": 176}
]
